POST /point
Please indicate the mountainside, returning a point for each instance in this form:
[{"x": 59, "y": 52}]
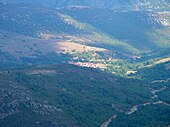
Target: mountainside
[
  {"x": 84, "y": 63},
  {"x": 120, "y": 5},
  {"x": 125, "y": 32},
  {"x": 66, "y": 95},
  {"x": 158, "y": 76},
  {"x": 135, "y": 28}
]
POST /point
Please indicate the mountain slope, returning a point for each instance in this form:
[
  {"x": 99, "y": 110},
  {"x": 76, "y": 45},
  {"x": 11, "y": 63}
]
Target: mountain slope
[
  {"x": 65, "y": 95},
  {"x": 106, "y": 4},
  {"x": 37, "y": 23},
  {"x": 158, "y": 76},
  {"x": 85, "y": 63},
  {"x": 135, "y": 28},
  {"x": 126, "y": 32}
]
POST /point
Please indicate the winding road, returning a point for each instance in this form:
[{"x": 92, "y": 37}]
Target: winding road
[
  {"x": 107, "y": 122},
  {"x": 135, "y": 108}
]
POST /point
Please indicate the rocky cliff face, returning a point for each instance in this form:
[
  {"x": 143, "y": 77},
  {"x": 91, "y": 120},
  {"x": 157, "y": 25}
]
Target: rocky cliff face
[{"x": 119, "y": 5}]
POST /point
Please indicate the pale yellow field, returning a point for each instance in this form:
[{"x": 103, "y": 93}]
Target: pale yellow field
[
  {"x": 71, "y": 46},
  {"x": 162, "y": 61},
  {"x": 25, "y": 46}
]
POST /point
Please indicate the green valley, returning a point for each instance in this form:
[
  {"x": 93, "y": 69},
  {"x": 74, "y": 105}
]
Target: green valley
[{"x": 84, "y": 63}]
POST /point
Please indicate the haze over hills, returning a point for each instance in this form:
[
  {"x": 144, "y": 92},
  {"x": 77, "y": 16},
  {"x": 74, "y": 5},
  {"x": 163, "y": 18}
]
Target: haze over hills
[
  {"x": 84, "y": 63},
  {"x": 126, "y": 32},
  {"x": 121, "y": 5}
]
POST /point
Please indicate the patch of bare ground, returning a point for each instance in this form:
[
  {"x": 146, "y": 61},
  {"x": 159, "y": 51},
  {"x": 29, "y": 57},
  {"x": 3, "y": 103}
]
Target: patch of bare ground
[
  {"x": 90, "y": 65},
  {"x": 130, "y": 72},
  {"x": 43, "y": 72},
  {"x": 162, "y": 61},
  {"x": 71, "y": 47}
]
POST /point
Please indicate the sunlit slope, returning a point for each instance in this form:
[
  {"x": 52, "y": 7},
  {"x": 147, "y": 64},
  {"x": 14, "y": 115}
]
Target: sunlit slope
[
  {"x": 131, "y": 32},
  {"x": 38, "y": 21},
  {"x": 142, "y": 30}
]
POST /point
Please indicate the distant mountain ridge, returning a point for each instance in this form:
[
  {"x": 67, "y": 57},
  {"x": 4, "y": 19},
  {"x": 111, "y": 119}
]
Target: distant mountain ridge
[
  {"x": 104, "y": 28},
  {"x": 120, "y": 5}
]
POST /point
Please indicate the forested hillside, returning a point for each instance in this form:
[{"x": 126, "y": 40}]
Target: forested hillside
[{"x": 86, "y": 63}]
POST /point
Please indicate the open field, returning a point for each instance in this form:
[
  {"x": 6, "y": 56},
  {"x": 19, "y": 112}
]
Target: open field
[{"x": 31, "y": 47}]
